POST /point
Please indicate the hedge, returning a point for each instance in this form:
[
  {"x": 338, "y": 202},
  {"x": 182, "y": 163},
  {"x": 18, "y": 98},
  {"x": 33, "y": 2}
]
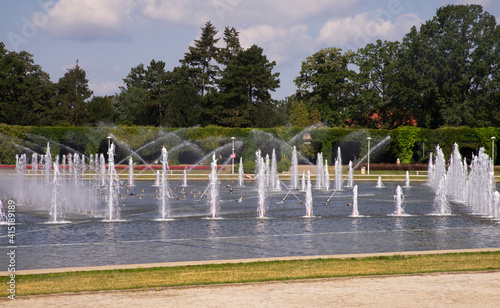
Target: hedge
[{"x": 198, "y": 144}]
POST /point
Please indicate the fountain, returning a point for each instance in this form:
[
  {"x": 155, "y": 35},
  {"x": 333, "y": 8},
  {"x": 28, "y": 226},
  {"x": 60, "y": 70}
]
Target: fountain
[
  {"x": 309, "y": 198},
  {"x": 184, "y": 178},
  {"x": 261, "y": 182},
  {"x": 441, "y": 204},
  {"x": 3, "y": 214},
  {"x": 320, "y": 171},
  {"x": 157, "y": 181},
  {"x": 338, "y": 171},
  {"x": 240, "y": 235},
  {"x": 355, "y": 211},
  {"x": 327, "y": 177},
  {"x": 294, "y": 174},
  {"x": 240, "y": 173},
  {"x": 304, "y": 186},
  {"x": 164, "y": 196},
  {"x": 113, "y": 186},
  {"x": 130, "y": 172},
  {"x": 214, "y": 189},
  {"x": 407, "y": 180},
  {"x": 274, "y": 171},
  {"x": 55, "y": 212},
  {"x": 350, "y": 175},
  {"x": 379, "y": 182},
  {"x": 398, "y": 201}
]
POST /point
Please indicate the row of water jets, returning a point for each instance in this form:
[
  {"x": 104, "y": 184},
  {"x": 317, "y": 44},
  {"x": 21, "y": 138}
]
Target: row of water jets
[
  {"x": 472, "y": 185},
  {"x": 475, "y": 188}
]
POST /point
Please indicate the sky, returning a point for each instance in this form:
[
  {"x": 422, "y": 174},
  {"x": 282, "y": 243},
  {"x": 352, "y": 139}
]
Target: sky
[{"x": 109, "y": 37}]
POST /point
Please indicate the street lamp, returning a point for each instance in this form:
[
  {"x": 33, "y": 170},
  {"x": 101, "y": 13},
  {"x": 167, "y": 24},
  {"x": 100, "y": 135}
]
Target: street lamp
[
  {"x": 232, "y": 155},
  {"x": 369, "y": 138},
  {"x": 493, "y": 150}
]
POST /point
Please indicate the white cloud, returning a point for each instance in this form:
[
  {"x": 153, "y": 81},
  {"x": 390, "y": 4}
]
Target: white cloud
[
  {"x": 355, "y": 32},
  {"x": 176, "y": 11},
  {"x": 98, "y": 19},
  {"x": 280, "y": 43},
  {"x": 484, "y": 3},
  {"x": 89, "y": 19},
  {"x": 105, "y": 88}
]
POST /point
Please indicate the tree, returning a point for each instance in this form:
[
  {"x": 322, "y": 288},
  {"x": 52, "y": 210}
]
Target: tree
[
  {"x": 143, "y": 97},
  {"x": 183, "y": 103},
  {"x": 244, "y": 90},
  {"x": 199, "y": 58},
  {"x": 451, "y": 64},
  {"x": 373, "y": 94},
  {"x": 101, "y": 109},
  {"x": 299, "y": 117},
  {"x": 25, "y": 90},
  {"x": 324, "y": 83},
  {"x": 232, "y": 48}
]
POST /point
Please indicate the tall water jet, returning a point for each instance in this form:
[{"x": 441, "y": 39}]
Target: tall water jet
[
  {"x": 113, "y": 185},
  {"x": 261, "y": 182},
  {"x": 319, "y": 171},
  {"x": 64, "y": 166},
  {"x": 240, "y": 173},
  {"x": 3, "y": 214},
  {"x": 304, "y": 183},
  {"x": 130, "y": 171},
  {"x": 379, "y": 182},
  {"x": 350, "y": 175},
  {"x": 338, "y": 171},
  {"x": 48, "y": 164},
  {"x": 481, "y": 184},
  {"x": 327, "y": 177},
  {"x": 294, "y": 170},
  {"x": 55, "y": 212},
  {"x": 437, "y": 169},
  {"x": 441, "y": 204},
  {"x": 102, "y": 169},
  {"x": 34, "y": 164},
  {"x": 268, "y": 171},
  {"x": 157, "y": 181},
  {"x": 398, "y": 201},
  {"x": 164, "y": 204},
  {"x": 496, "y": 205},
  {"x": 456, "y": 175},
  {"x": 214, "y": 189},
  {"x": 355, "y": 211},
  {"x": 184, "y": 179},
  {"x": 274, "y": 171},
  {"x": 309, "y": 198},
  {"x": 407, "y": 180}
]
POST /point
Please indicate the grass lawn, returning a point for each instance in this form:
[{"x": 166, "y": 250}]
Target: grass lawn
[{"x": 249, "y": 272}]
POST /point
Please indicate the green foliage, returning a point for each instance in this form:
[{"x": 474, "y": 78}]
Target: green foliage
[
  {"x": 299, "y": 117},
  {"x": 405, "y": 138}
]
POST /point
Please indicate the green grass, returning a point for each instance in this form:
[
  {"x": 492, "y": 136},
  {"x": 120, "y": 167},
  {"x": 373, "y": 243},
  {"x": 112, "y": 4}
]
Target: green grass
[{"x": 249, "y": 272}]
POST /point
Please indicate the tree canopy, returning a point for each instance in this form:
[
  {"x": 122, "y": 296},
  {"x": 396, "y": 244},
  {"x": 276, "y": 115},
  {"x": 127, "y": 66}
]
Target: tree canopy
[{"x": 445, "y": 72}]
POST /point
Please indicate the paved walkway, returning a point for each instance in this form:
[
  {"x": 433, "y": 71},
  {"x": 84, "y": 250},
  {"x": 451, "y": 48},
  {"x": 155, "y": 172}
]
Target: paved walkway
[
  {"x": 479, "y": 289},
  {"x": 464, "y": 289}
]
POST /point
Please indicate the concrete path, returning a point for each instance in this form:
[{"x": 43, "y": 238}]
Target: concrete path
[
  {"x": 479, "y": 289},
  {"x": 465, "y": 289}
]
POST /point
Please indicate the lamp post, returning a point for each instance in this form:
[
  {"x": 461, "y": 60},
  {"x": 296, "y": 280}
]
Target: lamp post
[
  {"x": 232, "y": 155},
  {"x": 369, "y": 138},
  {"x": 493, "y": 150}
]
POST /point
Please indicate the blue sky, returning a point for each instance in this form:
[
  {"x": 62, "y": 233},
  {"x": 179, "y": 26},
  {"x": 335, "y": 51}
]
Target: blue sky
[{"x": 109, "y": 37}]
